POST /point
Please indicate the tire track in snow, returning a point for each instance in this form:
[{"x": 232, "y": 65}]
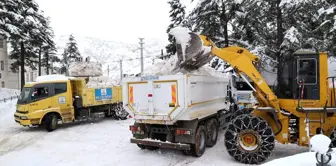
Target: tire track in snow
[{"x": 19, "y": 139}]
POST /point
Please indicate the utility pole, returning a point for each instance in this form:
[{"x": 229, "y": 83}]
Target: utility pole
[
  {"x": 141, "y": 54},
  {"x": 108, "y": 70},
  {"x": 121, "y": 70}
]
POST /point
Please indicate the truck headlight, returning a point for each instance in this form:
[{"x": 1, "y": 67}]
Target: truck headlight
[{"x": 24, "y": 118}]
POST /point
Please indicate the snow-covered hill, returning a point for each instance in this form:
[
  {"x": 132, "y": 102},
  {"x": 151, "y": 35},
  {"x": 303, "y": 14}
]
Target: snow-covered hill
[{"x": 109, "y": 53}]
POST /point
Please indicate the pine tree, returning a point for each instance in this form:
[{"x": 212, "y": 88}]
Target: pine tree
[
  {"x": 21, "y": 21},
  {"x": 212, "y": 18},
  {"x": 70, "y": 54},
  {"x": 177, "y": 15}
]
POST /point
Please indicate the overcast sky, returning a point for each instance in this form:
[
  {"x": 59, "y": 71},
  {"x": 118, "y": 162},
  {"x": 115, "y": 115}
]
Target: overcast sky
[{"x": 117, "y": 20}]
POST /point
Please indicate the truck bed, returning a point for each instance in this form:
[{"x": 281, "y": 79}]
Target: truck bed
[
  {"x": 96, "y": 96},
  {"x": 167, "y": 99}
]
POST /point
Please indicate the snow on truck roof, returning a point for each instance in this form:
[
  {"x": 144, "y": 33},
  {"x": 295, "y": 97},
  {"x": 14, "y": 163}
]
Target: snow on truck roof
[{"x": 47, "y": 78}]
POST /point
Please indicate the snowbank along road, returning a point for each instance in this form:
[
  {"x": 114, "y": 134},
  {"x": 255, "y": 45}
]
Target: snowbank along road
[{"x": 104, "y": 142}]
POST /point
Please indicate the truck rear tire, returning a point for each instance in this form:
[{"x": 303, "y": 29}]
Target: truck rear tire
[
  {"x": 249, "y": 139},
  {"x": 211, "y": 132},
  {"x": 198, "y": 148},
  {"x": 51, "y": 121}
]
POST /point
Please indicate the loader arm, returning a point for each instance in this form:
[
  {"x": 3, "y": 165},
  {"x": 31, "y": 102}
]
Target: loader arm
[{"x": 242, "y": 61}]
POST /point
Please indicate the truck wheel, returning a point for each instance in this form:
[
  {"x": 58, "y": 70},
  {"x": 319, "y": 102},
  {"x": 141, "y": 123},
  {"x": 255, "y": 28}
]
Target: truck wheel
[
  {"x": 249, "y": 139},
  {"x": 211, "y": 132},
  {"x": 121, "y": 113},
  {"x": 51, "y": 122},
  {"x": 198, "y": 148}
]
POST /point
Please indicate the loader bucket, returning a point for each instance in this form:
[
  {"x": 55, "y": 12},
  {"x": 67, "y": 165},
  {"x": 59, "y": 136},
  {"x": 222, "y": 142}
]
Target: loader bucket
[{"x": 194, "y": 55}]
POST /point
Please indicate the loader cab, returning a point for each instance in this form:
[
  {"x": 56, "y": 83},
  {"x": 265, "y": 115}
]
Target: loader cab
[{"x": 302, "y": 72}]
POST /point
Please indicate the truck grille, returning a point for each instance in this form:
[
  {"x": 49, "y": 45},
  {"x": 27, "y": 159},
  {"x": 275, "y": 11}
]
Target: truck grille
[{"x": 22, "y": 112}]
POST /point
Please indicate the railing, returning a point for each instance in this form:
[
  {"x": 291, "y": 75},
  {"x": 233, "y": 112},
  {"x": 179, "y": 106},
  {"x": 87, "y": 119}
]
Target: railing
[{"x": 8, "y": 99}]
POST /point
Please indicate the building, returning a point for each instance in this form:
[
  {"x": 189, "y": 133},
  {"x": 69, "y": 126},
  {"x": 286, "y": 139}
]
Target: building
[{"x": 9, "y": 79}]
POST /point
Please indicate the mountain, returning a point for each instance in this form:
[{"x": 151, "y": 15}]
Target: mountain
[{"x": 109, "y": 53}]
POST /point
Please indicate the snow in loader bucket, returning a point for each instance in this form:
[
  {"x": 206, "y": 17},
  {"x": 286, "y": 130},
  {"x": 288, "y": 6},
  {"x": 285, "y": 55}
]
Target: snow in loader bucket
[
  {"x": 103, "y": 94},
  {"x": 190, "y": 49}
]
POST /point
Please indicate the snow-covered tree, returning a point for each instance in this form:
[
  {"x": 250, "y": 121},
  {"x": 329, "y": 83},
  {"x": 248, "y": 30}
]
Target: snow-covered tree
[
  {"x": 27, "y": 30},
  {"x": 177, "y": 15},
  {"x": 212, "y": 18},
  {"x": 70, "y": 54}
]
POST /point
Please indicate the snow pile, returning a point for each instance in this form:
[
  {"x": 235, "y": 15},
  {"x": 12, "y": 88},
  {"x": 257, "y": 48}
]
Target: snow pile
[
  {"x": 320, "y": 143},
  {"x": 85, "y": 69},
  {"x": 102, "y": 81},
  {"x": 170, "y": 67},
  {"x": 7, "y": 93},
  {"x": 52, "y": 77},
  {"x": 306, "y": 159}
]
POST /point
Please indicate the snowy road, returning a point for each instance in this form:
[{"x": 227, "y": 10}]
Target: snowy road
[{"x": 98, "y": 143}]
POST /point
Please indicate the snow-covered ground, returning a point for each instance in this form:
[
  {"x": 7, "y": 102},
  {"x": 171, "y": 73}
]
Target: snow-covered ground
[{"x": 106, "y": 142}]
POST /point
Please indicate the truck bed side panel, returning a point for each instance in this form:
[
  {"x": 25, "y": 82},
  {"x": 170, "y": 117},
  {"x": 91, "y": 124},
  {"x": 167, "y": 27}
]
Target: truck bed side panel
[
  {"x": 205, "y": 96},
  {"x": 101, "y": 96}
]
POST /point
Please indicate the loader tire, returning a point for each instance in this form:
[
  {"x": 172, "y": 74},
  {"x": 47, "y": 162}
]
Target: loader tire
[
  {"x": 333, "y": 139},
  {"x": 249, "y": 139},
  {"x": 198, "y": 148},
  {"x": 243, "y": 111},
  {"x": 211, "y": 132},
  {"x": 51, "y": 121}
]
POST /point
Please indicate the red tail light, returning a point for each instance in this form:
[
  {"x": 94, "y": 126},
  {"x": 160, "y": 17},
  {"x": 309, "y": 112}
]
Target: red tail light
[
  {"x": 150, "y": 95},
  {"x": 183, "y": 132},
  {"x": 134, "y": 128}
]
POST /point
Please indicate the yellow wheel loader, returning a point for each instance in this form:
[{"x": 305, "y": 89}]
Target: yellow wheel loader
[{"x": 303, "y": 105}]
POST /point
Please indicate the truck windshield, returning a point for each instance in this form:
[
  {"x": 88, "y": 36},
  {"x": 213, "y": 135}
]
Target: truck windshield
[{"x": 24, "y": 96}]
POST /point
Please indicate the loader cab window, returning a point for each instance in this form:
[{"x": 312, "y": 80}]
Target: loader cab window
[{"x": 307, "y": 71}]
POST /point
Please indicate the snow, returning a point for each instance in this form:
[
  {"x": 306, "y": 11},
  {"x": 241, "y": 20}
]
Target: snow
[
  {"x": 320, "y": 143},
  {"x": 292, "y": 34},
  {"x": 7, "y": 93},
  {"x": 182, "y": 37},
  {"x": 106, "y": 142},
  {"x": 306, "y": 159},
  {"x": 102, "y": 81},
  {"x": 52, "y": 77},
  {"x": 161, "y": 67},
  {"x": 85, "y": 69},
  {"x": 238, "y": 1}
]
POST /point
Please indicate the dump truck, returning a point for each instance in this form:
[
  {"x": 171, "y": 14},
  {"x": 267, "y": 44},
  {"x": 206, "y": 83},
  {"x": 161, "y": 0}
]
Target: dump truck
[
  {"x": 302, "y": 105},
  {"x": 180, "y": 111},
  {"x": 68, "y": 99}
]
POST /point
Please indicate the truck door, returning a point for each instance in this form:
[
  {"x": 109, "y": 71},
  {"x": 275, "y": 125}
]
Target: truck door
[
  {"x": 40, "y": 98},
  {"x": 62, "y": 99}
]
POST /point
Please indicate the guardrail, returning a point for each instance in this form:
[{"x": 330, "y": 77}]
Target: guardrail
[{"x": 8, "y": 99}]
